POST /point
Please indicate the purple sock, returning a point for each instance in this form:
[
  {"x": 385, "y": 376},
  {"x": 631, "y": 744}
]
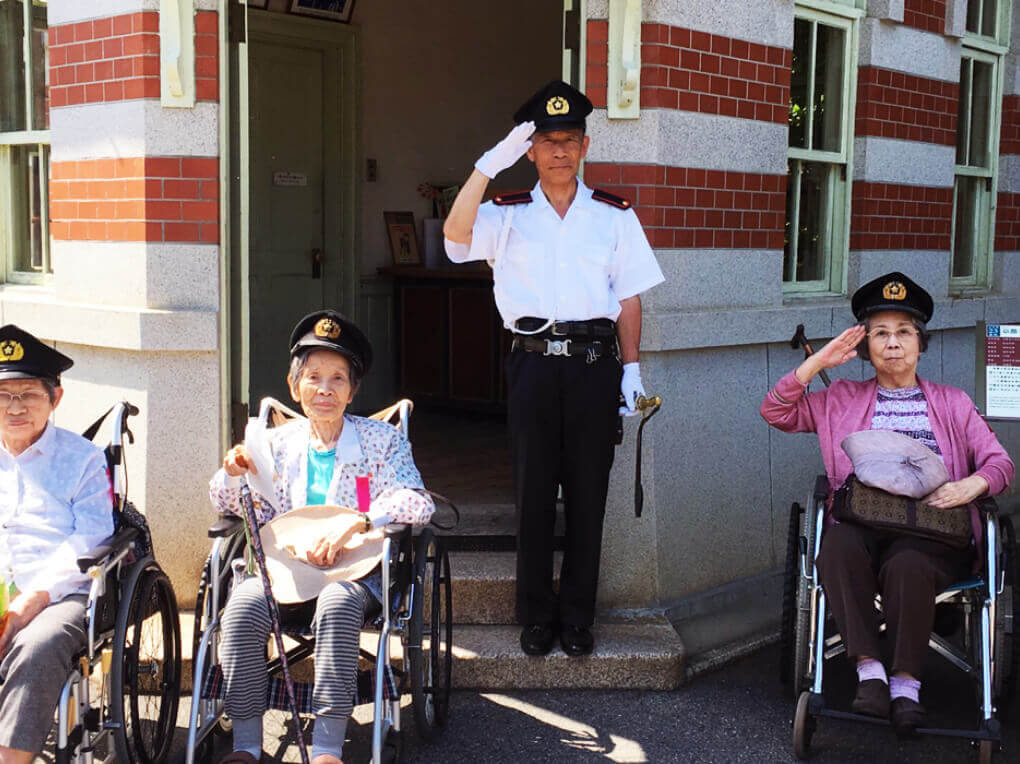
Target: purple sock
[
  {"x": 901, "y": 687},
  {"x": 871, "y": 669}
]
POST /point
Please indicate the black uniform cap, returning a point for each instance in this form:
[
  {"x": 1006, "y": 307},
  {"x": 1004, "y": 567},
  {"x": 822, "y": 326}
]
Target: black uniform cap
[
  {"x": 893, "y": 291},
  {"x": 331, "y": 330},
  {"x": 22, "y": 356},
  {"x": 556, "y": 106}
]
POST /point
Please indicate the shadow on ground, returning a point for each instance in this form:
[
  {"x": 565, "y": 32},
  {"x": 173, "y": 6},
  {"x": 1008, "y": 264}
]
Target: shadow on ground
[{"x": 738, "y": 714}]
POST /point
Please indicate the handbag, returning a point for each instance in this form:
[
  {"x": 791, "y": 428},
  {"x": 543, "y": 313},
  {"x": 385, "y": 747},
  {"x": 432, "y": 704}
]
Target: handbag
[{"x": 856, "y": 502}]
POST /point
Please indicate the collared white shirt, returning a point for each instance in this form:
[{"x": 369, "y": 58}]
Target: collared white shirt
[
  {"x": 55, "y": 504},
  {"x": 574, "y": 268}
]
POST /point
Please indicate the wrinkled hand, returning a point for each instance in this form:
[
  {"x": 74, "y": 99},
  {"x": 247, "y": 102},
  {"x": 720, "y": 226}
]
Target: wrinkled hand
[
  {"x": 24, "y": 608},
  {"x": 326, "y": 553},
  {"x": 957, "y": 493},
  {"x": 237, "y": 462},
  {"x": 631, "y": 388},
  {"x": 506, "y": 153},
  {"x": 840, "y": 349}
]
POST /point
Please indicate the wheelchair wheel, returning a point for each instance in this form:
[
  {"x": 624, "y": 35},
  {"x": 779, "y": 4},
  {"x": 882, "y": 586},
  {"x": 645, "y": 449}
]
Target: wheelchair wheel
[
  {"x": 1006, "y": 669},
  {"x": 231, "y": 549},
  {"x": 803, "y": 727},
  {"x": 788, "y": 624},
  {"x": 803, "y": 672},
  {"x": 430, "y": 635},
  {"x": 146, "y": 672}
]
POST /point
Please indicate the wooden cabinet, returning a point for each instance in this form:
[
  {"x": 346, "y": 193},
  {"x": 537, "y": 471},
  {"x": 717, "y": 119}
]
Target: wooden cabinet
[{"x": 450, "y": 339}]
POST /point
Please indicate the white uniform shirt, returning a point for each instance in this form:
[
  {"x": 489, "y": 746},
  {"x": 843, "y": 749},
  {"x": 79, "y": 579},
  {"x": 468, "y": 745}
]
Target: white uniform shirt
[
  {"x": 55, "y": 504},
  {"x": 574, "y": 268}
]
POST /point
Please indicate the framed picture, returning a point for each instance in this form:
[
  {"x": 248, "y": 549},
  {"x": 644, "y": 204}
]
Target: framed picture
[
  {"x": 403, "y": 238},
  {"x": 335, "y": 10}
]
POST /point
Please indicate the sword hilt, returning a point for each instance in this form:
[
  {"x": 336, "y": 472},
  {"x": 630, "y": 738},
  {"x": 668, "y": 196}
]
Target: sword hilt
[{"x": 648, "y": 404}]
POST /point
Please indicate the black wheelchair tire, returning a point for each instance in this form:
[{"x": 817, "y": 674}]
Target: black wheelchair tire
[
  {"x": 788, "y": 622},
  {"x": 148, "y": 593},
  {"x": 234, "y": 546},
  {"x": 430, "y": 670},
  {"x": 802, "y": 672},
  {"x": 803, "y": 727},
  {"x": 1005, "y": 679}
]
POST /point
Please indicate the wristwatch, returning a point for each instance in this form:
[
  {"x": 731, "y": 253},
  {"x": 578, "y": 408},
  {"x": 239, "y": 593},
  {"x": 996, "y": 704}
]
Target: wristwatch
[{"x": 368, "y": 523}]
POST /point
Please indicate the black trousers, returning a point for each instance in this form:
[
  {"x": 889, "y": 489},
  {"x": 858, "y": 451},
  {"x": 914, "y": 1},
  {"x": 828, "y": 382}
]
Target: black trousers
[
  {"x": 855, "y": 562},
  {"x": 562, "y": 418}
]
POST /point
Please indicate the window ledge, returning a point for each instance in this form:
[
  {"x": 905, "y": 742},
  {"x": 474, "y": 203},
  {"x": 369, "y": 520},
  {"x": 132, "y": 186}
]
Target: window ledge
[{"x": 36, "y": 309}]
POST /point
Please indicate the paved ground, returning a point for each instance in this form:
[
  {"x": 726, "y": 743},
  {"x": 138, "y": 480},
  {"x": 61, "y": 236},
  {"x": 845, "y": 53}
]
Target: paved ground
[{"x": 738, "y": 714}]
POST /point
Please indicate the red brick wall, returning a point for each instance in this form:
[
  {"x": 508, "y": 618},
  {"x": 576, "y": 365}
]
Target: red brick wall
[
  {"x": 117, "y": 58},
  {"x": 1007, "y": 223},
  {"x": 929, "y": 15},
  {"x": 891, "y": 216},
  {"x": 695, "y": 71},
  {"x": 691, "y": 207},
  {"x": 137, "y": 199},
  {"x": 897, "y": 105},
  {"x": 1010, "y": 135}
]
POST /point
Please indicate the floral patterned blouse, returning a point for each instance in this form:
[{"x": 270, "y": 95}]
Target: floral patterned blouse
[{"x": 366, "y": 448}]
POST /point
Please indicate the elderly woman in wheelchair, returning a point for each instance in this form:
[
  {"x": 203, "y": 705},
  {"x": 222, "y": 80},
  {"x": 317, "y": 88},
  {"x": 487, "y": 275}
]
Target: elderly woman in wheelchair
[
  {"x": 857, "y": 561},
  {"x": 55, "y": 504},
  {"x": 316, "y": 462}
]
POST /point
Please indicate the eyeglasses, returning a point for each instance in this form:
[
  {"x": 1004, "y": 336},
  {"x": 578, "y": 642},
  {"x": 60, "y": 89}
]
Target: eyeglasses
[
  {"x": 31, "y": 399},
  {"x": 903, "y": 335}
]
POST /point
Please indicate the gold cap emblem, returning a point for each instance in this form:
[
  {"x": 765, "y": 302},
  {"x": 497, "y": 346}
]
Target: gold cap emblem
[
  {"x": 894, "y": 290},
  {"x": 11, "y": 351},
  {"x": 557, "y": 105},
  {"x": 327, "y": 328}
]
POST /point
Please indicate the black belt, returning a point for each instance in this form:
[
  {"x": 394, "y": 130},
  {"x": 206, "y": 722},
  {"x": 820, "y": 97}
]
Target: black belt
[
  {"x": 568, "y": 346},
  {"x": 596, "y": 327}
]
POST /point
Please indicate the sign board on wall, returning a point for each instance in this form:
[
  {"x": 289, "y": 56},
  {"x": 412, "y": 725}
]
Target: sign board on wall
[{"x": 998, "y": 370}]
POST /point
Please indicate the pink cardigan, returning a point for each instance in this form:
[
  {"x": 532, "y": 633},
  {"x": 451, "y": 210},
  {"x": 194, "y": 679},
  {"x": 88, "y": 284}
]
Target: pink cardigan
[{"x": 968, "y": 445}]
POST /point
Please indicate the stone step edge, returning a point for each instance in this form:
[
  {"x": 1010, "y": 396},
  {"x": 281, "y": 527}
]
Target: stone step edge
[{"x": 490, "y": 657}]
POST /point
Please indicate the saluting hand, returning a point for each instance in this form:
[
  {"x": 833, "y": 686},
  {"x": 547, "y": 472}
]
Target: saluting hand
[
  {"x": 838, "y": 351},
  {"x": 506, "y": 153}
]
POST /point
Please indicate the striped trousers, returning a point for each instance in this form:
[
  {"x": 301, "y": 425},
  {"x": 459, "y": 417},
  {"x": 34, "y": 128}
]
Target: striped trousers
[{"x": 336, "y": 618}]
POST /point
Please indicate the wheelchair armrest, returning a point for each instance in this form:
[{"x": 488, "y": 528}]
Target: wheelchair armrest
[
  {"x": 821, "y": 492},
  {"x": 110, "y": 546},
  {"x": 227, "y": 525}
]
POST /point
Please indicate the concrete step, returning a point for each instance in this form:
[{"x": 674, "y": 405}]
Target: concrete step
[
  {"x": 484, "y": 586},
  {"x": 648, "y": 656}
]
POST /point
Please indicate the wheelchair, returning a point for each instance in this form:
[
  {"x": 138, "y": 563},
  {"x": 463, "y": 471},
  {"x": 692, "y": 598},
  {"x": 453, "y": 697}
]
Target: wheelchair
[
  {"x": 119, "y": 702},
  {"x": 980, "y": 644},
  {"x": 417, "y": 610}
]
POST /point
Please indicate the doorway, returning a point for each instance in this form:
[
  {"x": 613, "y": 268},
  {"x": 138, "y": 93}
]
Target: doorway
[{"x": 295, "y": 192}]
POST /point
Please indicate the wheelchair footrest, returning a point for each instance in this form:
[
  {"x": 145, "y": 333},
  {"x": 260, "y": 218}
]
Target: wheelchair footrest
[{"x": 213, "y": 686}]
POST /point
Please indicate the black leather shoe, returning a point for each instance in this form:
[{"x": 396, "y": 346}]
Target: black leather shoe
[
  {"x": 872, "y": 698},
  {"x": 537, "y": 638},
  {"x": 907, "y": 715},
  {"x": 577, "y": 640}
]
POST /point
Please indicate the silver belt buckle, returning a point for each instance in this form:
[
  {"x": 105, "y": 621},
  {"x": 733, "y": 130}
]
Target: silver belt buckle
[{"x": 557, "y": 347}]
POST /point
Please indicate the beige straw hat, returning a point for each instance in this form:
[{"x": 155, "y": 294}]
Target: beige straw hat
[{"x": 286, "y": 538}]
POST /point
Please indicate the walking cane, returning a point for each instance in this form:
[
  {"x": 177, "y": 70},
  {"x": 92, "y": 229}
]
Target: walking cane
[
  {"x": 274, "y": 611},
  {"x": 799, "y": 340},
  {"x": 648, "y": 407}
]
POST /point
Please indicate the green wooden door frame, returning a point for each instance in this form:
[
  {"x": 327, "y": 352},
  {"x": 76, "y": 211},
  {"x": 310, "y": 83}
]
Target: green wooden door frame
[{"x": 341, "y": 162}]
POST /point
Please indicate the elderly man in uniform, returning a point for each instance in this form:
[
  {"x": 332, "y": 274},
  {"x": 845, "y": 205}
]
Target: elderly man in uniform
[
  {"x": 569, "y": 264},
  {"x": 55, "y": 504}
]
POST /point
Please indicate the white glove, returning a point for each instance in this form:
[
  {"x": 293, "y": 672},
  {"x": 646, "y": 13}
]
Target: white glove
[
  {"x": 506, "y": 153},
  {"x": 631, "y": 388}
]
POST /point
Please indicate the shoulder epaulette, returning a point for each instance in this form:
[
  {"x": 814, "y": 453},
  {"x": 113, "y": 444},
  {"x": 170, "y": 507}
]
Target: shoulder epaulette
[
  {"x": 514, "y": 197},
  {"x": 611, "y": 199}
]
